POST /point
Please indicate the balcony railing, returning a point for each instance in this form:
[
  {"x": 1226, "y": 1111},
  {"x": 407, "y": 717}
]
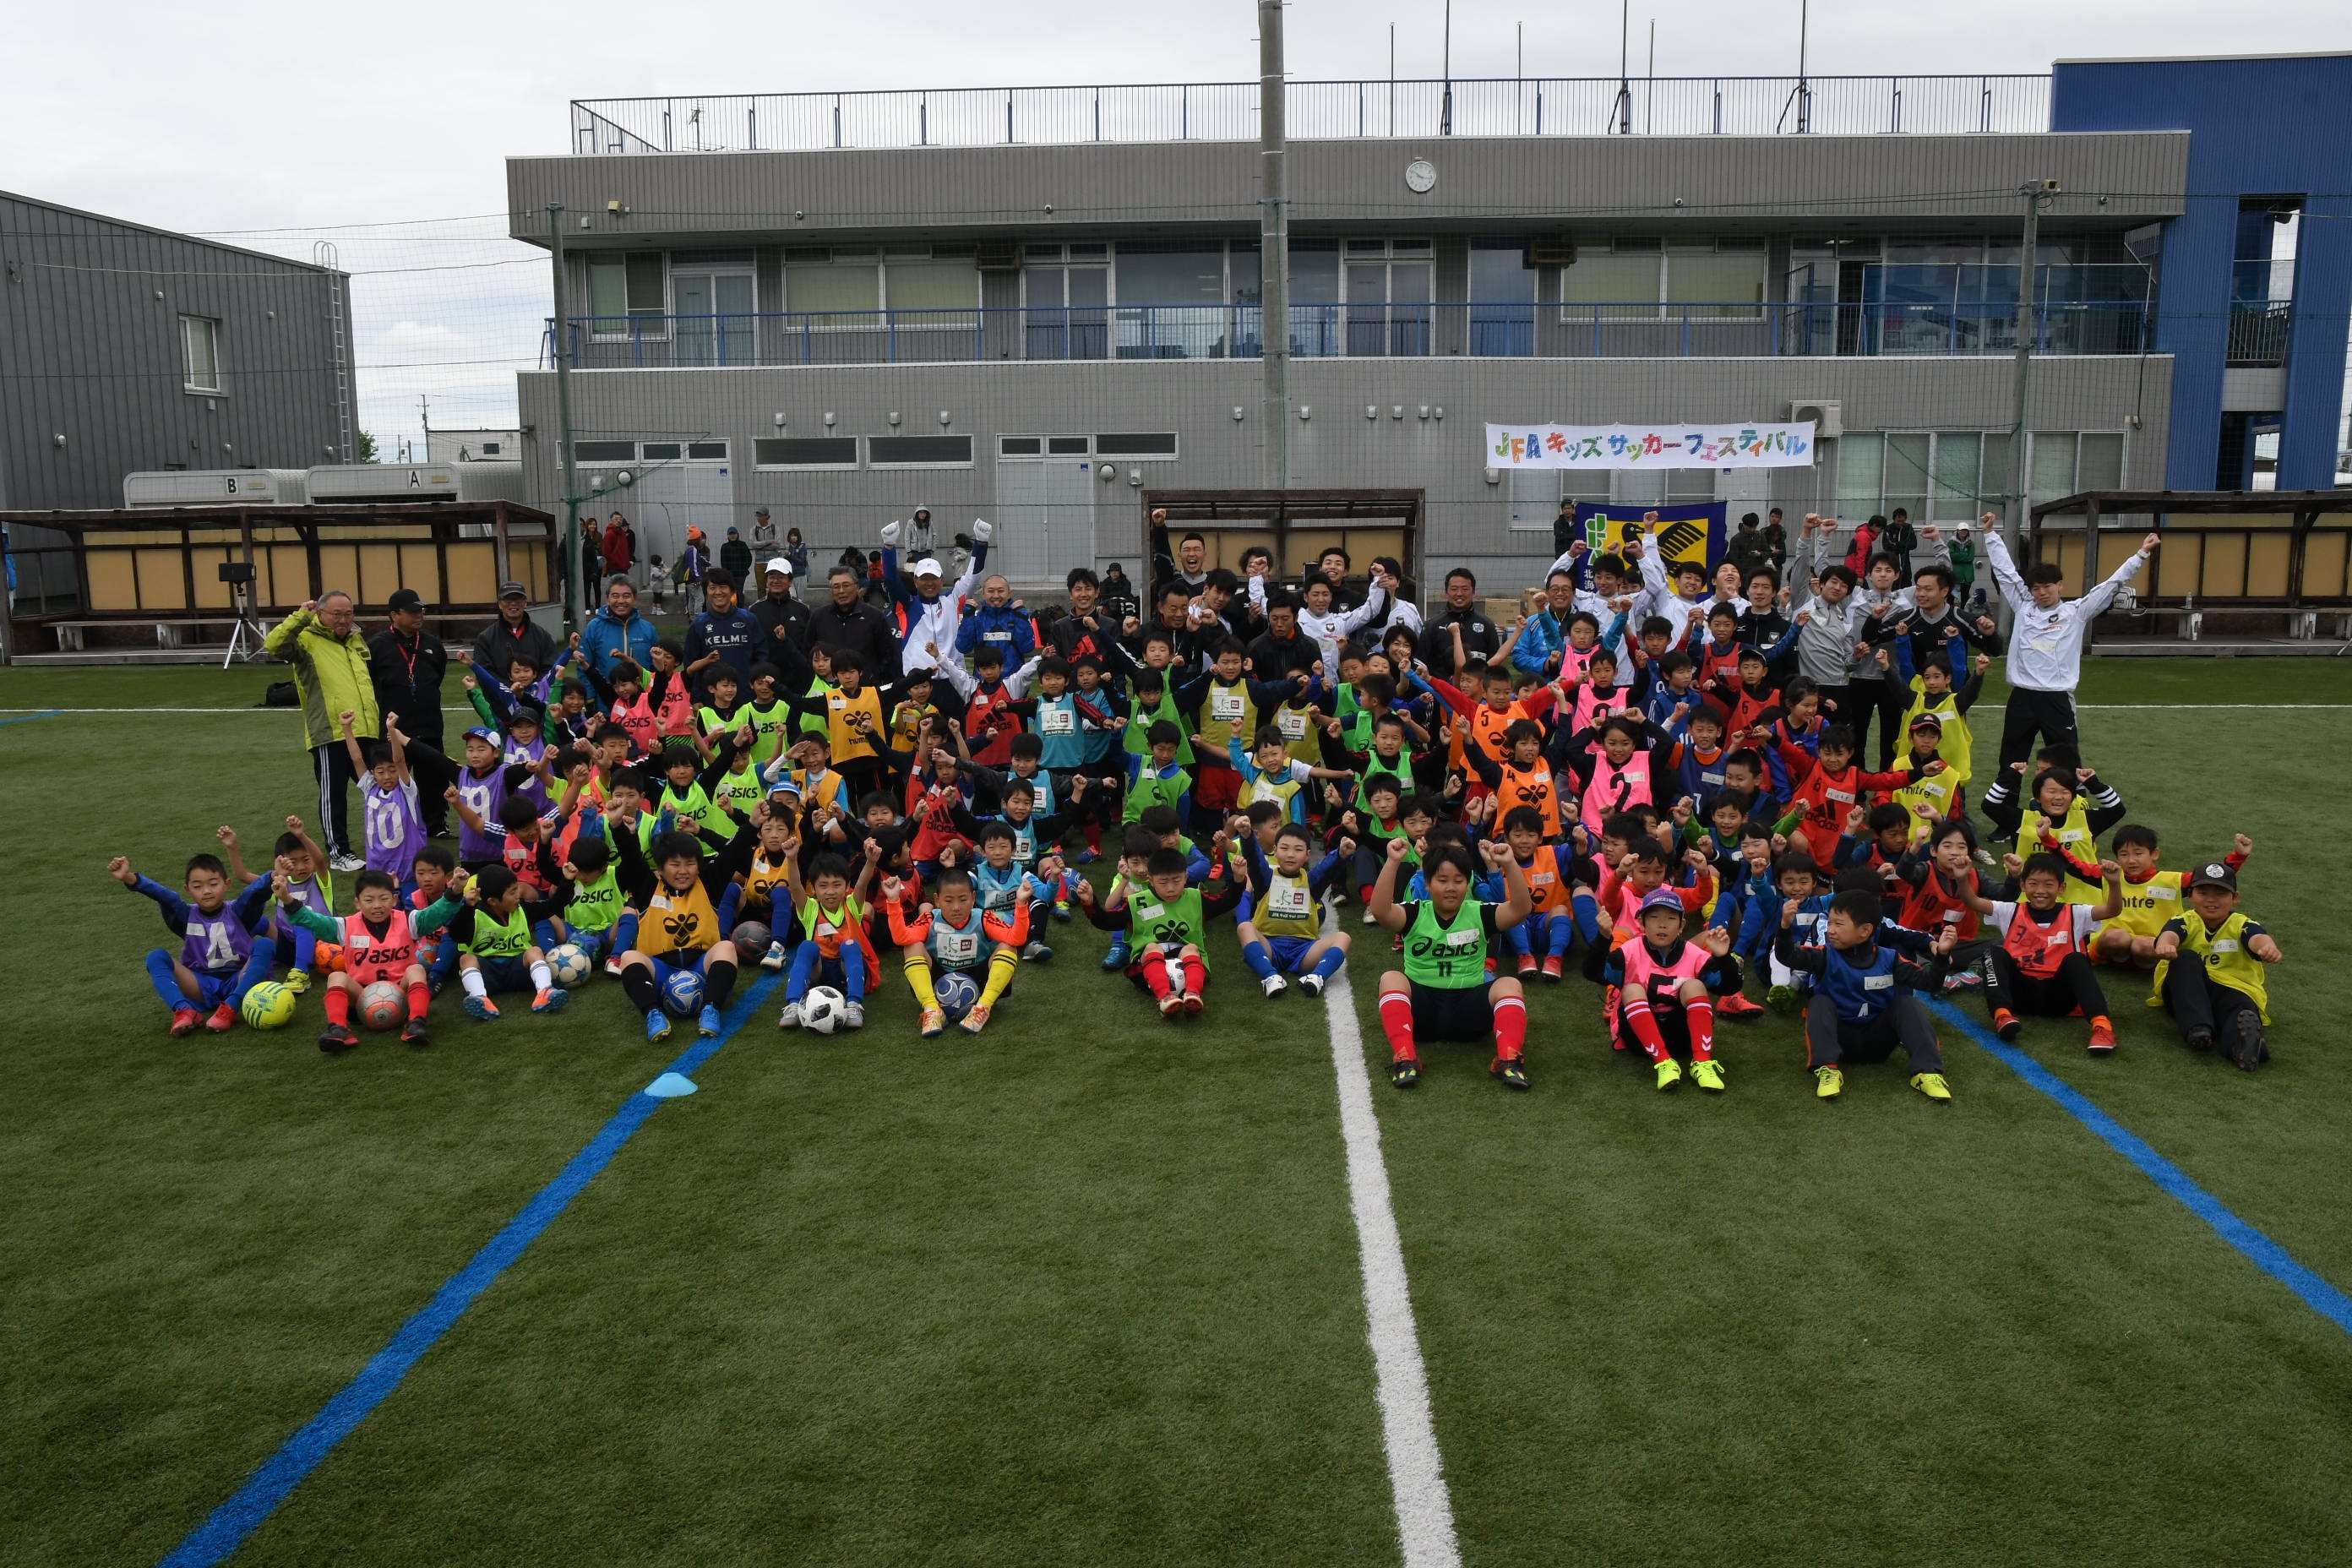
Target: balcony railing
[
  {"x": 2258, "y": 332},
  {"x": 1595, "y": 329},
  {"x": 1315, "y": 110}
]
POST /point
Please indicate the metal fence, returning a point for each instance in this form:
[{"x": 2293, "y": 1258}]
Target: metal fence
[
  {"x": 1315, "y": 111},
  {"x": 1596, "y": 329},
  {"x": 2258, "y": 333}
]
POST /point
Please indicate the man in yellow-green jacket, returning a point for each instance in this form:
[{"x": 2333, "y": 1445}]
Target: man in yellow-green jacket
[{"x": 330, "y": 672}]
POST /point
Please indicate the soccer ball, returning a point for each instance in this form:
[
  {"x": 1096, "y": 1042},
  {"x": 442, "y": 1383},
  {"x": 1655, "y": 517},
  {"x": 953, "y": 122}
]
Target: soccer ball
[
  {"x": 569, "y": 963},
  {"x": 958, "y": 993},
  {"x": 822, "y": 1008},
  {"x": 268, "y": 1005},
  {"x": 681, "y": 993},
  {"x": 383, "y": 1005},
  {"x": 751, "y": 940}
]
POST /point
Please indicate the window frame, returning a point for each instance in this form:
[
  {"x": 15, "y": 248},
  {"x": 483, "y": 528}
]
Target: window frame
[
  {"x": 760, "y": 465},
  {"x": 865, "y": 451},
  {"x": 658, "y": 315},
  {"x": 188, "y": 382}
]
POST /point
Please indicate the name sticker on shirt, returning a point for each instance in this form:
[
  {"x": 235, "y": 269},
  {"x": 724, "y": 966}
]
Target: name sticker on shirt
[
  {"x": 2227, "y": 944},
  {"x": 1226, "y": 706},
  {"x": 1877, "y": 981},
  {"x": 2163, "y": 890},
  {"x": 1150, "y": 911},
  {"x": 1056, "y": 722},
  {"x": 1290, "y": 898},
  {"x": 1292, "y": 722},
  {"x": 1466, "y": 936}
]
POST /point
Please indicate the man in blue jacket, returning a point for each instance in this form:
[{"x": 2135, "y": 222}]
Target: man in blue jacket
[
  {"x": 617, "y": 631},
  {"x": 997, "y": 621},
  {"x": 726, "y": 633}
]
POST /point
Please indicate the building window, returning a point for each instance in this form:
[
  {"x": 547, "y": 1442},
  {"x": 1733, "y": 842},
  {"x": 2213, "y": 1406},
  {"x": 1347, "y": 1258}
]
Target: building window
[
  {"x": 944, "y": 292},
  {"x": 1715, "y": 279},
  {"x": 200, "y": 354},
  {"x": 604, "y": 451},
  {"x": 1136, "y": 445},
  {"x": 1019, "y": 447},
  {"x": 845, "y": 285},
  {"x": 919, "y": 451},
  {"x": 1955, "y": 476},
  {"x": 805, "y": 452},
  {"x": 625, "y": 293},
  {"x": 490, "y": 448}
]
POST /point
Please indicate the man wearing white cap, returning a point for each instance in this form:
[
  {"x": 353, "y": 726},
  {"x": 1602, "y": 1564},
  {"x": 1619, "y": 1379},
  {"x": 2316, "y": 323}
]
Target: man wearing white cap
[
  {"x": 783, "y": 617},
  {"x": 924, "y": 617}
]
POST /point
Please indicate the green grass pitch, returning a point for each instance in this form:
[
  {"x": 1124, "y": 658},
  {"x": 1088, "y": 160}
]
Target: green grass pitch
[{"x": 1087, "y": 1290}]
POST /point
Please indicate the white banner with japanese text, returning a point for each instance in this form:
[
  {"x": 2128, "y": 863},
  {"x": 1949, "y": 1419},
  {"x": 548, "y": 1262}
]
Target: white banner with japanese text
[{"x": 1650, "y": 446}]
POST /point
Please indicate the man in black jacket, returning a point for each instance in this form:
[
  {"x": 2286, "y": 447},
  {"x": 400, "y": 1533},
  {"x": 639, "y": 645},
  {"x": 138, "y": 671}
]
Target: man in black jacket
[
  {"x": 1283, "y": 650},
  {"x": 845, "y": 621},
  {"x": 406, "y": 664},
  {"x": 514, "y": 635},
  {"x": 783, "y": 618},
  {"x": 1481, "y": 638}
]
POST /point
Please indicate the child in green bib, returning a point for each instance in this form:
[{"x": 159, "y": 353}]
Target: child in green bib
[{"x": 1444, "y": 992}]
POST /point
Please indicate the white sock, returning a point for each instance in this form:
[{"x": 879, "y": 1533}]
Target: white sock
[
  {"x": 541, "y": 978},
  {"x": 472, "y": 978}
]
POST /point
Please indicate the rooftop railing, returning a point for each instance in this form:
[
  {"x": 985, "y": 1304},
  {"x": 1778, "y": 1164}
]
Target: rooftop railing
[
  {"x": 1315, "y": 111},
  {"x": 1583, "y": 330}
]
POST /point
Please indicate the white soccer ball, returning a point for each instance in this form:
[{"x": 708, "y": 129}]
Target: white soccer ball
[
  {"x": 821, "y": 1009},
  {"x": 569, "y": 963}
]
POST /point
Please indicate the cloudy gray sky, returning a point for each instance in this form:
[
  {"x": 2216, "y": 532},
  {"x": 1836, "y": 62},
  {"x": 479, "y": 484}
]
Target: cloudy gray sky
[{"x": 299, "y": 121}]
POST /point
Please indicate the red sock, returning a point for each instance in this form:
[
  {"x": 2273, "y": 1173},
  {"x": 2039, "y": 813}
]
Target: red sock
[
  {"x": 1700, "y": 1016},
  {"x": 1396, "y": 1019},
  {"x": 1635, "y": 1015},
  {"x": 1094, "y": 837},
  {"x": 1196, "y": 975},
  {"x": 420, "y": 997},
  {"x": 339, "y": 1004},
  {"x": 1364, "y": 893},
  {"x": 1510, "y": 1026},
  {"x": 1155, "y": 975}
]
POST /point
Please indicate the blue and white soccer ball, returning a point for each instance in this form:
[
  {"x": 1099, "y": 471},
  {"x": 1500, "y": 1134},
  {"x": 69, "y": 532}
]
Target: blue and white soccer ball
[
  {"x": 821, "y": 1009},
  {"x": 957, "y": 993},
  {"x": 681, "y": 993},
  {"x": 569, "y": 963}
]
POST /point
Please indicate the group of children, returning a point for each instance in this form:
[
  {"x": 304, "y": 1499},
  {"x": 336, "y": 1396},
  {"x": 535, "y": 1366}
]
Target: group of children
[{"x": 1661, "y": 803}]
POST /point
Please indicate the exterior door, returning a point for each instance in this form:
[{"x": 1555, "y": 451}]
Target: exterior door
[
  {"x": 668, "y": 498},
  {"x": 1045, "y": 518},
  {"x": 714, "y": 323},
  {"x": 1067, "y": 315}
]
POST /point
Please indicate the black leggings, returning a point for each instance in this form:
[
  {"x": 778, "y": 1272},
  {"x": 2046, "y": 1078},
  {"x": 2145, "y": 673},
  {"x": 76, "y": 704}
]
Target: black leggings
[{"x": 2076, "y": 984}]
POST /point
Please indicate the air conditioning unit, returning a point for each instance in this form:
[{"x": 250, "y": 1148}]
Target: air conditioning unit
[
  {"x": 1828, "y": 416},
  {"x": 1551, "y": 250},
  {"x": 998, "y": 257}
]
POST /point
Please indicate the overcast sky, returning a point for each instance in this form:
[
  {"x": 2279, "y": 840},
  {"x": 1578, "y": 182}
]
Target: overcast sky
[{"x": 273, "y": 115}]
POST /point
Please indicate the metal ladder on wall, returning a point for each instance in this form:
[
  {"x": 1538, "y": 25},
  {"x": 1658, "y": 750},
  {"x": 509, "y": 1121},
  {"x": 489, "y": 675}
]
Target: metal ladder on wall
[{"x": 323, "y": 254}]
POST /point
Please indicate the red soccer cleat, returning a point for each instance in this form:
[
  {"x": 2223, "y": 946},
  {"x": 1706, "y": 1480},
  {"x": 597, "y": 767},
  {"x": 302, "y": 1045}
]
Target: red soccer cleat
[
  {"x": 2102, "y": 1038},
  {"x": 184, "y": 1022},
  {"x": 1527, "y": 967},
  {"x": 1735, "y": 1004},
  {"x": 1551, "y": 967},
  {"x": 2005, "y": 1024},
  {"x": 1193, "y": 1003},
  {"x": 223, "y": 1019}
]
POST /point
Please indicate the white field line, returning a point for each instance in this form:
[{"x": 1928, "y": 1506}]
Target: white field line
[{"x": 1424, "y": 1510}]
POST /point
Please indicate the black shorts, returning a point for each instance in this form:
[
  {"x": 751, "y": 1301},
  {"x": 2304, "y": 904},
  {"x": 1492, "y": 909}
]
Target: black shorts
[{"x": 1452, "y": 1012}]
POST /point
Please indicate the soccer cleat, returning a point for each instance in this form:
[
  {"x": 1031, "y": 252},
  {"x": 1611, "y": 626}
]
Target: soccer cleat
[
  {"x": 612, "y": 967},
  {"x": 550, "y": 1000},
  {"x": 2103, "y": 1038},
  {"x": 1735, "y": 1004},
  {"x": 2005, "y": 1024},
  {"x": 1707, "y": 1076},
  {"x": 1987, "y": 857},
  {"x": 1193, "y": 1003},
  {"x": 345, "y": 864},
  {"x": 223, "y": 1019},
  {"x": 1274, "y": 985},
  {"x": 707, "y": 1024},
  {"x": 481, "y": 1007},
  {"x": 1312, "y": 984},
  {"x": 789, "y": 1019},
  {"x": 934, "y": 1024},
  {"x": 1933, "y": 1086},
  {"x": 1670, "y": 1074},
  {"x": 185, "y": 1022},
  {"x": 434, "y": 984},
  {"x": 1116, "y": 959},
  {"x": 1088, "y": 857},
  {"x": 414, "y": 1036},
  {"x": 338, "y": 1039},
  {"x": 1061, "y": 909},
  {"x": 656, "y": 1027},
  {"x": 1551, "y": 968},
  {"x": 1528, "y": 967},
  {"x": 1828, "y": 1083},
  {"x": 297, "y": 981},
  {"x": 2199, "y": 1038},
  {"x": 1036, "y": 952},
  {"x": 773, "y": 957},
  {"x": 1369, "y": 920},
  {"x": 1172, "y": 1005},
  {"x": 2247, "y": 1047},
  {"x": 853, "y": 1014},
  {"x": 976, "y": 1020},
  {"x": 1511, "y": 1072},
  {"x": 1404, "y": 1072},
  {"x": 1964, "y": 980},
  {"x": 1782, "y": 999}
]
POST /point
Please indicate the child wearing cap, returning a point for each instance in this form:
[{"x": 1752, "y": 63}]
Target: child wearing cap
[
  {"x": 2210, "y": 969},
  {"x": 1663, "y": 994}
]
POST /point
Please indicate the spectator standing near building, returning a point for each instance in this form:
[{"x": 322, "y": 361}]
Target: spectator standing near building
[
  {"x": 763, "y": 532},
  {"x": 796, "y": 551},
  {"x": 620, "y": 546},
  {"x": 1747, "y": 549},
  {"x": 735, "y": 557},
  {"x": 330, "y": 661},
  {"x": 1899, "y": 539},
  {"x": 1964, "y": 568},
  {"x": 406, "y": 663},
  {"x": 687, "y": 571}
]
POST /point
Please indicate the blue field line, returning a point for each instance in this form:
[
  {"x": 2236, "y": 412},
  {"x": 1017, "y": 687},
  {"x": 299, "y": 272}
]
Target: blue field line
[
  {"x": 2267, "y": 1255},
  {"x": 29, "y": 718},
  {"x": 254, "y": 1502}
]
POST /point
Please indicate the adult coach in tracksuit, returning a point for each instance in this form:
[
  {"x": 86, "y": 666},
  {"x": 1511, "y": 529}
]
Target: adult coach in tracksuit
[
  {"x": 926, "y": 616},
  {"x": 330, "y": 672},
  {"x": 2046, "y": 643}
]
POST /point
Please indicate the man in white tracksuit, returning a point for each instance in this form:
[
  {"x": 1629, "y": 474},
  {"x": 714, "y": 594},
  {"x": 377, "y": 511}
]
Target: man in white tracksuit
[
  {"x": 2045, "y": 646},
  {"x": 925, "y": 616}
]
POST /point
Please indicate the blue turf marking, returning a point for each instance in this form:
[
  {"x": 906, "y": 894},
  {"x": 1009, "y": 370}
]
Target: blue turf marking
[
  {"x": 29, "y": 718},
  {"x": 254, "y": 1502},
  {"x": 2267, "y": 1255}
]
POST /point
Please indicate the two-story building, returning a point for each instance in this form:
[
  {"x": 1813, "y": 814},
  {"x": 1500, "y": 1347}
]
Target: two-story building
[{"x": 1031, "y": 304}]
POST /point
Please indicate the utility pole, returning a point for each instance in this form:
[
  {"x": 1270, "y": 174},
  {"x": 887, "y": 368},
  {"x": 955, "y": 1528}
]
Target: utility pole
[
  {"x": 1445, "y": 106},
  {"x": 1274, "y": 249},
  {"x": 576, "y": 587},
  {"x": 2038, "y": 193}
]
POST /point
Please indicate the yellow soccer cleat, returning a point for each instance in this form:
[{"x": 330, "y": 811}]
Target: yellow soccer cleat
[
  {"x": 297, "y": 981},
  {"x": 1933, "y": 1086},
  {"x": 1828, "y": 1083},
  {"x": 1707, "y": 1076},
  {"x": 1670, "y": 1073}
]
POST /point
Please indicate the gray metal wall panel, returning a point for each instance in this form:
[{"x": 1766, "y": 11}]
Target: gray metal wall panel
[
  {"x": 1499, "y": 184},
  {"x": 1335, "y": 446}
]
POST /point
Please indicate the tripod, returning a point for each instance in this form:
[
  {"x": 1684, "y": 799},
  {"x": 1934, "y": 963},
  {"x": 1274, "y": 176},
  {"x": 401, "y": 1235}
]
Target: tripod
[{"x": 245, "y": 638}]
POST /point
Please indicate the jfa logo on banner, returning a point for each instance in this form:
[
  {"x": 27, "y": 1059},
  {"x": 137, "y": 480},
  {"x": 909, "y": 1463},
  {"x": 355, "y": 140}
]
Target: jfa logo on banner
[{"x": 1649, "y": 446}]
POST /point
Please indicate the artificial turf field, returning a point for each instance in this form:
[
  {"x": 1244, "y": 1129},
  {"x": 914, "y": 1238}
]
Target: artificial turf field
[{"x": 1087, "y": 1290}]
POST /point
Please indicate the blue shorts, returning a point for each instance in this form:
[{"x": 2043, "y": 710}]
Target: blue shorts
[
  {"x": 1290, "y": 953},
  {"x": 505, "y": 974},
  {"x": 664, "y": 968}
]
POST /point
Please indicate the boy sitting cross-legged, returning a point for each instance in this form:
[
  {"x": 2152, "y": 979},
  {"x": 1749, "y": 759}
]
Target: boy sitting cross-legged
[{"x": 1864, "y": 1003}]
